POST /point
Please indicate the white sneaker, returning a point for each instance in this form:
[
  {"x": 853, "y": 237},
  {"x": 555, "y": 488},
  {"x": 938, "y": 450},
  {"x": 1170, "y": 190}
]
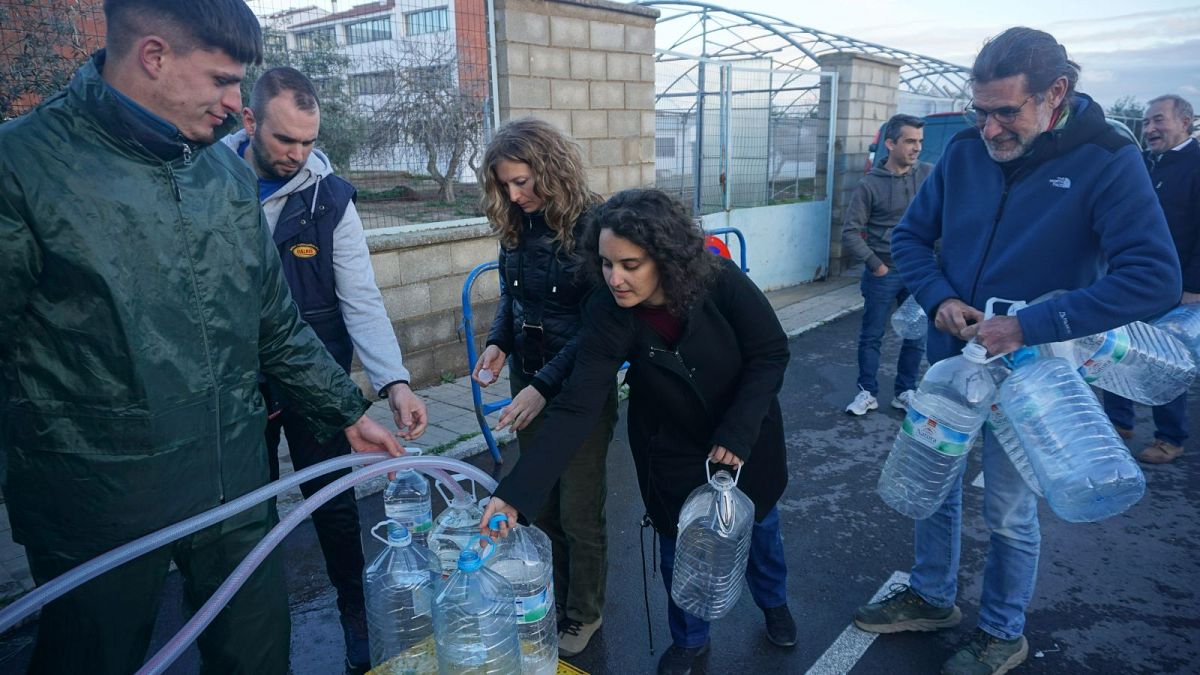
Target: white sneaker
[
  {"x": 901, "y": 400},
  {"x": 862, "y": 403}
]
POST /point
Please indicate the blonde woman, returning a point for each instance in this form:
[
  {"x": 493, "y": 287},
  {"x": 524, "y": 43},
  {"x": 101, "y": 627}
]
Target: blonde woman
[{"x": 534, "y": 192}]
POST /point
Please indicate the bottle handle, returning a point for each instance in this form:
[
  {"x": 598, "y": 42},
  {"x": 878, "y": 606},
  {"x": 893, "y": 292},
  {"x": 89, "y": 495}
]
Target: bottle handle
[
  {"x": 708, "y": 472},
  {"x": 496, "y": 519},
  {"x": 457, "y": 477},
  {"x": 375, "y": 530},
  {"x": 491, "y": 548}
]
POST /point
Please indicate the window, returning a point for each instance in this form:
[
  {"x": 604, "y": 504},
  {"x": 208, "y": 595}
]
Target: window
[
  {"x": 438, "y": 77},
  {"x": 369, "y": 30},
  {"x": 427, "y": 21},
  {"x": 315, "y": 38},
  {"x": 370, "y": 84}
]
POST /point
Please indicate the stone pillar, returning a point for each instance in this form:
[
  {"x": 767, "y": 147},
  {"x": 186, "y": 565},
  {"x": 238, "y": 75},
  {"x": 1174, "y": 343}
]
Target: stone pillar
[
  {"x": 866, "y": 98},
  {"x": 587, "y": 67}
]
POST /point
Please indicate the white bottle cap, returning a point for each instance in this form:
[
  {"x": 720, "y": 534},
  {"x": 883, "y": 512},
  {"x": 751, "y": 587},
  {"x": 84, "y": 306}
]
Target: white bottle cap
[
  {"x": 485, "y": 376},
  {"x": 975, "y": 352}
]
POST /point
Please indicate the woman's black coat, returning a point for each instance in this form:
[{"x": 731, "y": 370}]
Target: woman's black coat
[{"x": 719, "y": 386}]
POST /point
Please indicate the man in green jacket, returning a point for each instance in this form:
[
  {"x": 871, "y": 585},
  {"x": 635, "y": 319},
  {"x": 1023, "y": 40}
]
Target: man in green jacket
[{"x": 142, "y": 296}]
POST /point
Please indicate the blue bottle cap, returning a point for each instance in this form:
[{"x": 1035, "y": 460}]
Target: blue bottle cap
[
  {"x": 469, "y": 561},
  {"x": 1023, "y": 356},
  {"x": 398, "y": 535}
]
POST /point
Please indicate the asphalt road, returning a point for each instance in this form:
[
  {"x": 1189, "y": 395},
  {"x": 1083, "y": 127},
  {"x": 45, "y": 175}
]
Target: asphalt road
[{"x": 1113, "y": 597}]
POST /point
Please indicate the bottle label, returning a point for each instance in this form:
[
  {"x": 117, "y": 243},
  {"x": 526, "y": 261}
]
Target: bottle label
[
  {"x": 531, "y": 608},
  {"x": 1115, "y": 347},
  {"x": 929, "y": 432},
  {"x": 419, "y": 525}
]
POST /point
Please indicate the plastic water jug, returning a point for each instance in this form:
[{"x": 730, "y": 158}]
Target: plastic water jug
[
  {"x": 998, "y": 423},
  {"x": 1183, "y": 323},
  {"x": 399, "y": 586},
  {"x": 1137, "y": 361},
  {"x": 453, "y": 528},
  {"x": 406, "y": 500},
  {"x": 475, "y": 620},
  {"x": 712, "y": 547},
  {"x": 943, "y": 420},
  {"x": 525, "y": 559},
  {"x": 909, "y": 320},
  {"x": 1080, "y": 462}
]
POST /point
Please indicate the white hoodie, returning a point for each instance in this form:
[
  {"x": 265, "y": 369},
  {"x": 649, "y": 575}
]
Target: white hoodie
[{"x": 354, "y": 278}]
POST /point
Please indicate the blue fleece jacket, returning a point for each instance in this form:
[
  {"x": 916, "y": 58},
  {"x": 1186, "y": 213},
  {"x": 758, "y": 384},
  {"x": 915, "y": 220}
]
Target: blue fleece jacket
[{"x": 1076, "y": 213}]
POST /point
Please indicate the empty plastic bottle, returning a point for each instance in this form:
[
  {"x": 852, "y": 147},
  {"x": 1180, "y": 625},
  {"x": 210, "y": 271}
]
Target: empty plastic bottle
[
  {"x": 524, "y": 558},
  {"x": 909, "y": 320},
  {"x": 406, "y": 500},
  {"x": 943, "y": 420},
  {"x": 453, "y": 529},
  {"x": 1137, "y": 361},
  {"x": 712, "y": 547},
  {"x": 998, "y": 423},
  {"x": 475, "y": 620},
  {"x": 1080, "y": 462},
  {"x": 1183, "y": 323},
  {"x": 399, "y": 586}
]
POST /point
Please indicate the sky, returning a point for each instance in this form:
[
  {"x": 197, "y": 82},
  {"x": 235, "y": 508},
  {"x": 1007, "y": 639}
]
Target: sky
[{"x": 1143, "y": 48}]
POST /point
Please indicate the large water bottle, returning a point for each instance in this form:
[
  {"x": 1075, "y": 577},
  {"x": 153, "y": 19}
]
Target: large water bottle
[
  {"x": 524, "y": 558},
  {"x": 998, "y": 423},
  {"x": 1183, "y": 323},
  {"x": 1080, "y": 462},
  {"x": 1137, "y": 361},
  {"x": 909, "y": 320},
  {"x": 943, "y": 420},
  {"x": 406, "y": 501},
  {"x": 475, "y": 620},
  {"x": 712, "y": 547},
  {"x": 399, "y": 589},
  {"x": 454, "y": 527}
]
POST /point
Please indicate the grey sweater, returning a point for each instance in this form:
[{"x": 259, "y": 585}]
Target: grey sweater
[{"x": 879, "y": 200}]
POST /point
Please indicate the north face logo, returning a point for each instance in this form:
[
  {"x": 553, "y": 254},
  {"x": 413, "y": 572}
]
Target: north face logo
[{"x": 1061, "y": 182}]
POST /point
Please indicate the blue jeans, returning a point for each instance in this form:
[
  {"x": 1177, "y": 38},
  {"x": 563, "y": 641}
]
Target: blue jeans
[
  {"x": 1010, "y": 512},
  {"x": 766, "y": 574},
  {"x": 1170, "y": 419},
  {"x": 880, "y": 295}
]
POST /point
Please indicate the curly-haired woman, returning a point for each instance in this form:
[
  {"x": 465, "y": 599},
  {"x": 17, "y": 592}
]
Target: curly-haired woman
[
  {"x": 534, "y": 192},
  {"x": 707, "y": 357}
]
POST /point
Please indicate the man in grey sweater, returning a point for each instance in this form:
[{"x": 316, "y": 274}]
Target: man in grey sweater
[{"x": 874, "y": 209}]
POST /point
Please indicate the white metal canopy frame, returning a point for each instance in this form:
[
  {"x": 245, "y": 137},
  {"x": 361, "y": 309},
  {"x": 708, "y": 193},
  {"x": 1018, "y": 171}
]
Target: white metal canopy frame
[{"x": 712, "y": 31}]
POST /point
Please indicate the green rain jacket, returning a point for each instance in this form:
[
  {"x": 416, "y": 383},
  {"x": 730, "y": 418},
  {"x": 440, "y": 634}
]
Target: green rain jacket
[{"x": 139, "y": 298}]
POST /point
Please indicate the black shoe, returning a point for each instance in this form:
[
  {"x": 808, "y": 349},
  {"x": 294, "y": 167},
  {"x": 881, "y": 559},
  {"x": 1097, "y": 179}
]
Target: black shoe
[
  {"x": 358, "y": 649},
  {"x": 781, "y": 627},
  {"x": 681, "y": 660}
]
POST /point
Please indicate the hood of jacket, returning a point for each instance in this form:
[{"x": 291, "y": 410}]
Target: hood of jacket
[{"x": 316, "y": 168}]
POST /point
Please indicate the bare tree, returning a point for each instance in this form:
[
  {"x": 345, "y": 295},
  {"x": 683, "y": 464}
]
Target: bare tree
[
  {"x": 42, "y": 43},
  {"x": 429, "y": 102}
]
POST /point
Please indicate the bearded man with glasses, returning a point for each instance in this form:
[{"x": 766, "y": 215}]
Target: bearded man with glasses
[{"x": 1041, "y": 195}]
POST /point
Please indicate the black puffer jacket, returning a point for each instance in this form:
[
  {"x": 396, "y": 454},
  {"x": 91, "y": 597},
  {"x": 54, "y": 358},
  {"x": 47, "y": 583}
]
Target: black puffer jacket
[
  {"x": 540, "y": 285},
  {"x": 1176, "y": 178}
]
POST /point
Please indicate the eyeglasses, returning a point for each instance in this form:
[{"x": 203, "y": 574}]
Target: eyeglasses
[{"x": 1006, "y": 115}]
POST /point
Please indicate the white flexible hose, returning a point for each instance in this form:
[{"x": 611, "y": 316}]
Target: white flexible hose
[
  {"x": 57, "y": 587},
  {"x": 205, "y": 615}
]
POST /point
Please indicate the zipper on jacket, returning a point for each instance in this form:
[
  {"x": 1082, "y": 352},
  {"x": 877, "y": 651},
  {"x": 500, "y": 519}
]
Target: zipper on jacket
[
  {"x": 1008, "y": 183},
  {"x": 174, "y": 185},
  {"x": 187, "y": 154}
]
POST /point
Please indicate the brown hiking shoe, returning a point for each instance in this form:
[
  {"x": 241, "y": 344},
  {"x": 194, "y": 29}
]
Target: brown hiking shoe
[
  {"x": 904, "y": 610},
  {"x": 1159, "y": 452}
]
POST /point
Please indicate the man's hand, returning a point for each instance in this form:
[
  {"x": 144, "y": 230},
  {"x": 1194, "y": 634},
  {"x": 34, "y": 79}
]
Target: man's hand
[
  {"x": 721, "y": 455},
  {"x": 524, "y": 407},
  {"x": 491, "y": 361},
  {"x": 882, "y": 270},
  {"x": 1000, "y": 334},
  {"x": 496, "y": 505},
  {"x": 367, "y": 435},
  {"x": 955, "y": 316},
  {"x": 408, "y": 410},
  {"x": 1189, "y": 298}
]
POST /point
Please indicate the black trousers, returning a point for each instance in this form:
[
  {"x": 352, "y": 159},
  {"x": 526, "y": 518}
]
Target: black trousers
[{"x": 336, "y": 521}]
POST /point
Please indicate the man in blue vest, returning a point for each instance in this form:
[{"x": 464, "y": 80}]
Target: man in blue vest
[{"x": 321, "y": 244}]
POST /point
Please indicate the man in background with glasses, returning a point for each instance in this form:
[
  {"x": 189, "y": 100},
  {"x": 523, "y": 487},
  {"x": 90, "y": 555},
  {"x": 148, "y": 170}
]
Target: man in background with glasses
[
  {"x": 1173, "y": 159},
  {"x": 1040, "y": 195}
]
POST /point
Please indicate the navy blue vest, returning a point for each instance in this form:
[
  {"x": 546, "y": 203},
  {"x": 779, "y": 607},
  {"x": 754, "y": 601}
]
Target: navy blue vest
[{"x": 304, "y": 237}]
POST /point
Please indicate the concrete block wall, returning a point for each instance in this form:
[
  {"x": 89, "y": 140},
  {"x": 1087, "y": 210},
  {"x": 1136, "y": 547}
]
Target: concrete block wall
[
  {"x": 587, "y": 67},
  {"x": 866, "y": 97},
  {"x": 421, "y": 275}
]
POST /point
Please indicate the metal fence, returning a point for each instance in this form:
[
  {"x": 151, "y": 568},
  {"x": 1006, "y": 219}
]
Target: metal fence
[
  {"x": 738, "y": 134},
  {"x": 405, "y": 87}
]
